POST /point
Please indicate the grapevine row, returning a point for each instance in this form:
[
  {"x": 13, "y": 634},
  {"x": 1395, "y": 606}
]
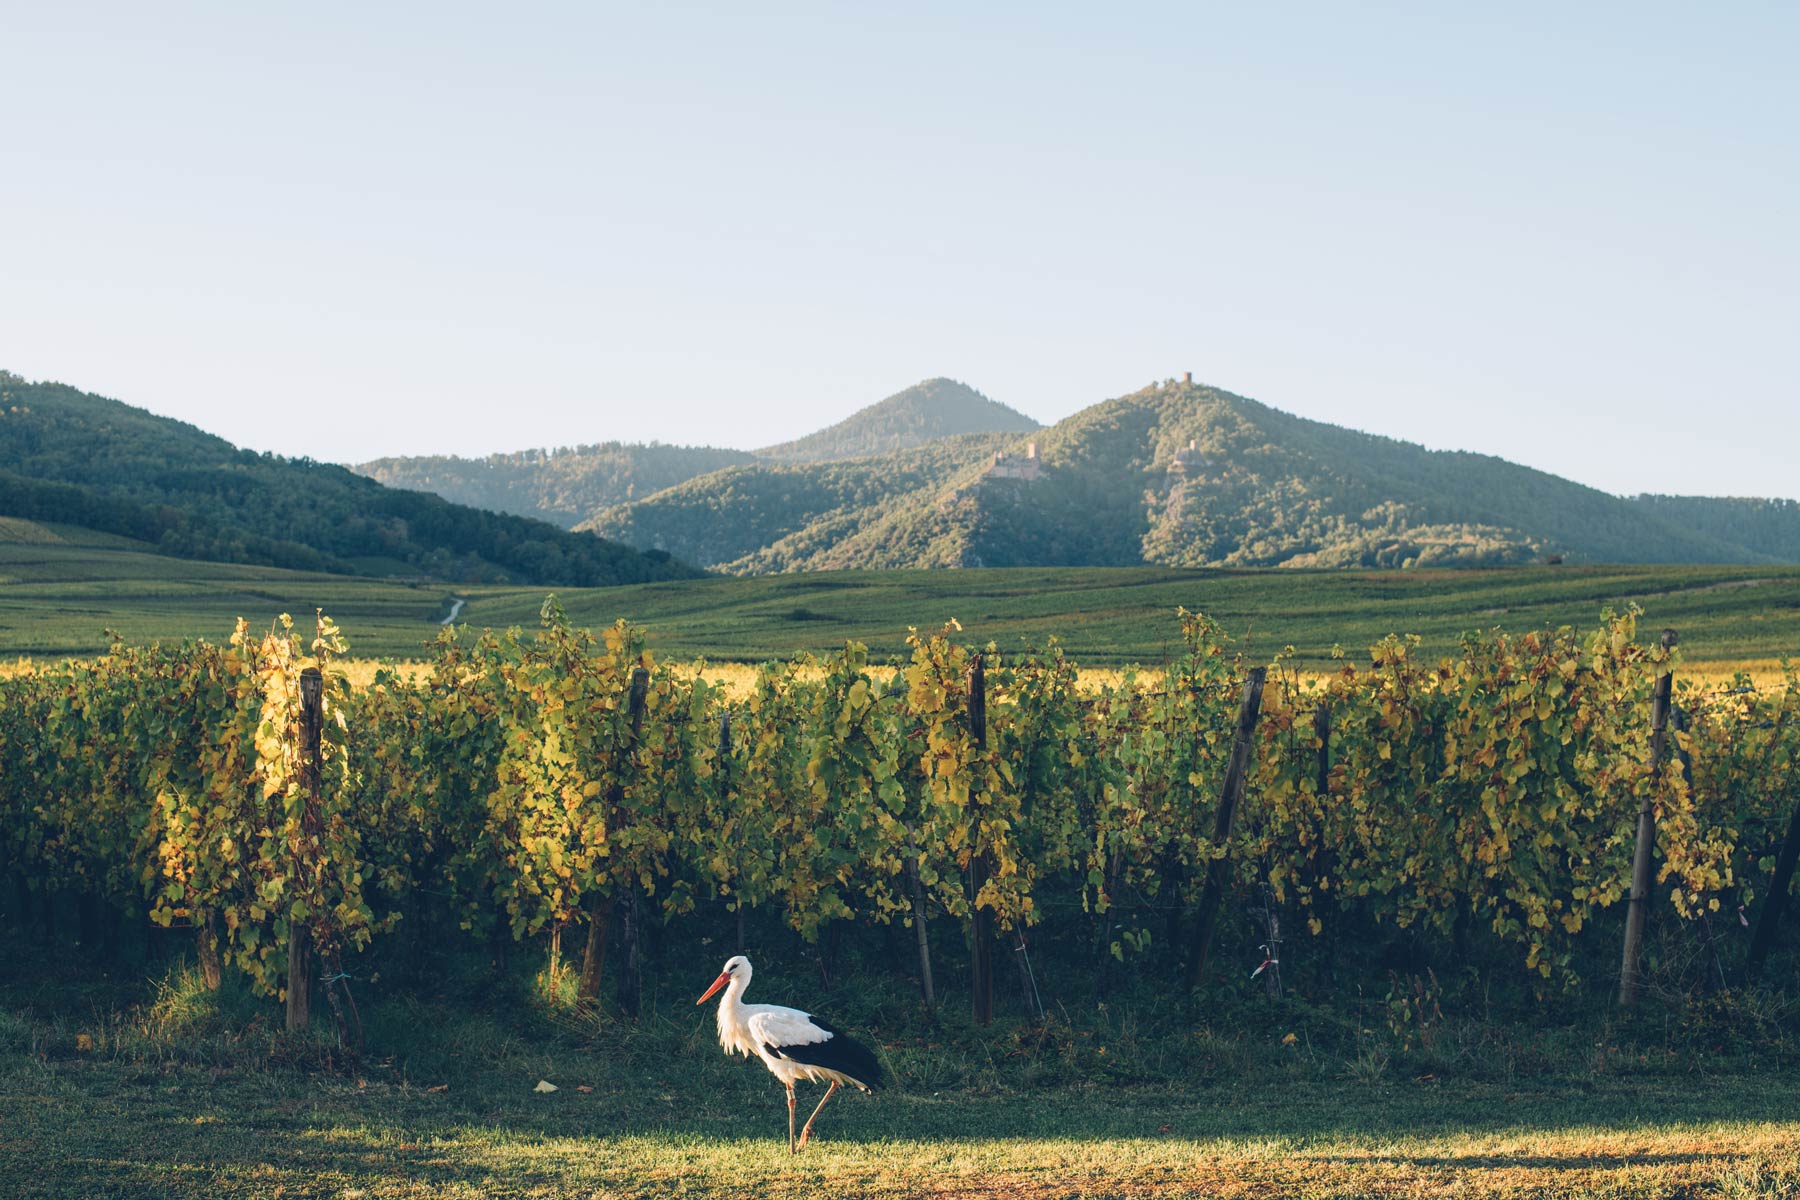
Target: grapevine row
[{"x": 566, "y": 781}]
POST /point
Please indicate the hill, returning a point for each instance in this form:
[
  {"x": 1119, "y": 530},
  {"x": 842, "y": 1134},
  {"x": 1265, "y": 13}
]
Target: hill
[
  {"x": 1770, "y": 527},
  {"x": 82, "y": 460},
  {"x": 1180, "y": 474},
  {"x": 571, "y": 485},
  {"x": 768, "y": 517},
  {"x": 1186, "y": 475},
  {"x": 563, "y": 486},
  {"x": 936, "y": 408}
]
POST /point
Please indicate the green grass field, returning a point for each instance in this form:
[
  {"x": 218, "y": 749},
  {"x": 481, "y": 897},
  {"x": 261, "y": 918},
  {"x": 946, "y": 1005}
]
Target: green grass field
[
  {"x": 57, "y": 599},
  {"x": 79, "y": 1130},
  {"x": 135, "y": 1086}
]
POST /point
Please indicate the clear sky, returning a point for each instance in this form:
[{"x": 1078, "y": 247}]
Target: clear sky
[{"x": 1565, "y": 234}]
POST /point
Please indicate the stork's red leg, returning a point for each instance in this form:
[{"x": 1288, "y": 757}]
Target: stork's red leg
[
  {"x": 807, "y": 1132},
  {"x": 792, "y": 1149}
]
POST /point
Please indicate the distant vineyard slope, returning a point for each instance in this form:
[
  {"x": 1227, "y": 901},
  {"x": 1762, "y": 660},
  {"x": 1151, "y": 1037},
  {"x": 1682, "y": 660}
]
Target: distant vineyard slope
[{"x": 71, "y": 458}]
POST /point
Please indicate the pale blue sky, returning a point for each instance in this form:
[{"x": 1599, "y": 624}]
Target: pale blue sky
[{"x": 1563, "y": 234}]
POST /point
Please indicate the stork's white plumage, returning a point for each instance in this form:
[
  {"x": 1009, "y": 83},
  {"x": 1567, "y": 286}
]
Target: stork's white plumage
[{"x": 794, "y": 1045}]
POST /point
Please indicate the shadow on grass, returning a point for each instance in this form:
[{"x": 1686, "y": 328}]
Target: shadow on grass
[
  {"x": 176, "y": 1092},
  {"x": 375, "y": 1142}
]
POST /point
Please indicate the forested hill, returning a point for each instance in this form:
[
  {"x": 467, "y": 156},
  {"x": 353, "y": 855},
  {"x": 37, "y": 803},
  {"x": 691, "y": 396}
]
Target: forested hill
[
  {"x": 1187, "y": 475},
  {"x": 1770, "y": 527},
  {"x": 79, "y": 459},
  {"x": 564, "y": 486},
  {"x": 572, "y": 485},
  {"x": 924, "y": 412},
  {"x": 1181, "y": 475},
  {"x": 768, "y": 517}
]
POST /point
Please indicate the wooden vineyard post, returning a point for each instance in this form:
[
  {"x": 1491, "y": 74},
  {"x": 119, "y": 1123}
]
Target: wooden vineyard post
[
  {"x": 593, "y": 955},
  {"x": 312, "y": 728},
  {"x": 600, "y": 904},
  {"x": 1769, "y": 919},
  {"x": 206, "y": 936},
  {"x": 1034, "y": 1002},
  {"x": 1642, "y": 859},
  {"x": 1271, "y": 969},
  {"x": 981, "y": 937},
  {"x": 303, "y": 952},
  {"x": 631, "y": 979},
  {"x": 921, "y": 935},
  {"x": 723, "y": 770},
  {"x": 1237, "y": 770}
]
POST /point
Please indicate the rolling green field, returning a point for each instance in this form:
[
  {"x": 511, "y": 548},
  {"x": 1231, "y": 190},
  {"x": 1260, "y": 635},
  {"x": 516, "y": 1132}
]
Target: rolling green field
[
  {"x": 58, "y": 599},
  {"x": 1114, "y": 616}
]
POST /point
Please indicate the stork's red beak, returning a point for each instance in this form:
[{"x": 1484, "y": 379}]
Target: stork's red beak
[{"x": 723, "y": 979}]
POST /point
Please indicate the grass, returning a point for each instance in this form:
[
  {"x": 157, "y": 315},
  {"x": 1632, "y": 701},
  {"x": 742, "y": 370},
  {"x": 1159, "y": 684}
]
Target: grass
[
  {"x": 140, "y": 1084},
  {"x": 58, "y": 599},
  {"x": 92, "y": 1131}
]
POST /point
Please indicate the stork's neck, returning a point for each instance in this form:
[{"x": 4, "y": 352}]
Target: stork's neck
[
  {"x": 733, "y": 998},
  {"x": 733, "y": 1033}
]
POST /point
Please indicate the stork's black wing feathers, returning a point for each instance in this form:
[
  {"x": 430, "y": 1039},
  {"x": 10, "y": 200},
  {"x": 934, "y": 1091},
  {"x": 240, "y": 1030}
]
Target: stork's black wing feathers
[{"x": 837, "y": 1053}]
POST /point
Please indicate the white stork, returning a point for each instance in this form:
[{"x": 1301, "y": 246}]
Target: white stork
[{"x": 792, "y": 1044}]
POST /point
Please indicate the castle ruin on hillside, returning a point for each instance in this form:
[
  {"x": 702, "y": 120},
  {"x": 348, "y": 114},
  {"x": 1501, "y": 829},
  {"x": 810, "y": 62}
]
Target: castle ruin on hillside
[
  {"x": 1189, "y": 460},
  {"x": 1027, "y": 468}
]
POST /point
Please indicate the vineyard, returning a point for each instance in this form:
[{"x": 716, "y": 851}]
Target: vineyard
[{"x": 1541, "y": 797}]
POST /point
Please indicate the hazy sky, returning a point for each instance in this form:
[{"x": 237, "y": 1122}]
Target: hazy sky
[{"x": 1566, "y": 234}]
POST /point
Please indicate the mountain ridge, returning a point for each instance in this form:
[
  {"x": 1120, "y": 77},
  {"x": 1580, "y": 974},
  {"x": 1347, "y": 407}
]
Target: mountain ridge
[
  {"x": 1175, "y": 474},
  {"x": 766, "y": 517},
  {"x": 564, "y": 486},
  {"x": 1182, "y": 474},
  {"x": 570, "y": 485},
  {"x": 76, "y": 458}
]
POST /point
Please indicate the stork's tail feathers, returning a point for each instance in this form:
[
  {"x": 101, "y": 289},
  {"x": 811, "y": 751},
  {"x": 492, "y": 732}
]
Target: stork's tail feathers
[
  {"x": 861, "y": 1065},
  {"x": 848, "y": 1057},
  {"x": 869, "y": 1074}
]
